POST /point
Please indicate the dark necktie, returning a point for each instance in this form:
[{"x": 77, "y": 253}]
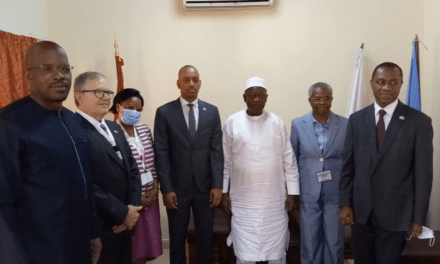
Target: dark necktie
[
  {"x": 104, "y": 128},
  {"x": 191, "y": 121},
  {"x": 380, "y": 128}
]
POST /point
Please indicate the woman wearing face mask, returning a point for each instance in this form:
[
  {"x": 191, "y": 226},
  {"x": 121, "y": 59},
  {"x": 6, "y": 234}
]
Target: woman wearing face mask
[{"x": 147, "y": 242}]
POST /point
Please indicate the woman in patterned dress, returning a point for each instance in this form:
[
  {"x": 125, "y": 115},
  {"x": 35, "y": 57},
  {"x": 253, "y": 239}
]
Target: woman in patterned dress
[{"x": 147, "y": 242}]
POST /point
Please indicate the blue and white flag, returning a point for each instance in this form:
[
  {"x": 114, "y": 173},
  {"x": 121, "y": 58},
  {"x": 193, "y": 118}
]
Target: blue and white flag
[{"x": 413, "y": 92}]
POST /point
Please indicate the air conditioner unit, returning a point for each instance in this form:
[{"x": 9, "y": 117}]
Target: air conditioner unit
[{"x": 190, "y": 4}]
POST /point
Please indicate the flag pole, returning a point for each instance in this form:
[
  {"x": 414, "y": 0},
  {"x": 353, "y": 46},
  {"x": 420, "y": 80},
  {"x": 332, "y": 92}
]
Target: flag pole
[
  {"x": 119, "y": 64},
  {"x": 416, "y": 39}
]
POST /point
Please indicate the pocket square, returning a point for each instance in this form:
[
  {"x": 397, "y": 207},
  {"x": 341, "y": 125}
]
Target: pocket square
[
  {"x": 402, "y": 117},
  {"x": 115, "y": 131},
  {"x": 204, "y": 108}
]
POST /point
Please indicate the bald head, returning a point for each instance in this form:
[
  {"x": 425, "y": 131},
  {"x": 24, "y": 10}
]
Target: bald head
[
  {"x": 189, "y": 83},
  {"x": 187, "y": 68},
  {"x": 48, "y": 73},
  {"x": 39, "y": 47}
]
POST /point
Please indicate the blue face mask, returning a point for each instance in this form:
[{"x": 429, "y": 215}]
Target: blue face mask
[{"x": 130, "y": 117}]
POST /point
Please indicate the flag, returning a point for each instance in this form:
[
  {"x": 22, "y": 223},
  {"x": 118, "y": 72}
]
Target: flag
[
  {"x": 119, "y": 64},
  {"x": 413, "y": 92},
  {"x": 356, "y": 85}
]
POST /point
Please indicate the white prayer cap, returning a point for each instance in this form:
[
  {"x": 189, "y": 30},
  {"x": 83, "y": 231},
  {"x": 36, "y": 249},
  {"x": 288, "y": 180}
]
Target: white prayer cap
[{"x": 255, "y": 82}]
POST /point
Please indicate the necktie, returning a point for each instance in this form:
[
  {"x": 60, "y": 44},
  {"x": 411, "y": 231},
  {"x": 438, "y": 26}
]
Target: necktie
[
  {"x": 115, "y": 147},
  {"x": 191, "y": 121},
  {"x": 380, "y": 128},
  {"x": 104, "y": 128}
]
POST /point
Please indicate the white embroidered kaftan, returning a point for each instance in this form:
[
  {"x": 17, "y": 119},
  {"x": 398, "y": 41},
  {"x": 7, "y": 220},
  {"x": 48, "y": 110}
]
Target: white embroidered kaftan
[{"x": 260, "y": 170}]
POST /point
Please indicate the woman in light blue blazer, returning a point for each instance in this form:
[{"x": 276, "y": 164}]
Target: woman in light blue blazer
[{"x": 318, "y": 140}]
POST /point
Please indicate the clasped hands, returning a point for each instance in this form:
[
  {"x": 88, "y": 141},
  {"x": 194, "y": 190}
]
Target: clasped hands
[
  {"x": 347, "y": 218},
  {"x": 148, "y": 199},
  {"x": 170, "y": 199}
]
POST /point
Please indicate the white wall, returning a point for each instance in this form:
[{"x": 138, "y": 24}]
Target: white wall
[
  {"x": 24, "y": 17},
  {"x": 292, "y": 46},
  {"x": 430, "y": 93}
]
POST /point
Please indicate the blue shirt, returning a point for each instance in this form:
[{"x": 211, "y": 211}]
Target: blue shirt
[{"x": 321, "y": 132}]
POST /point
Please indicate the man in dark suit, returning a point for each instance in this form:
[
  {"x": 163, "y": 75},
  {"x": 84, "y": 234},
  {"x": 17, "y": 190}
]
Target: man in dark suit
[
  {"x": 189, "y": 163},
  {"x": 117, "y": 186},
  {"x": 386, "y": 178}
]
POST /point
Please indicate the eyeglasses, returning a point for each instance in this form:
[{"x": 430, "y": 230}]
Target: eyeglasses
[
  {"x": 100, "y": 93},
  {"x": 130, "y": 107},
  {"x": 64, "y": 70},
  {"x": 322, "y": 99}
]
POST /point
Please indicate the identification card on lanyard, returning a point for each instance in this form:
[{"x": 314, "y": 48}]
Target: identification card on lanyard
[
  {"x": 324, "y": 176},
  {"x": 146, "y": 177}
]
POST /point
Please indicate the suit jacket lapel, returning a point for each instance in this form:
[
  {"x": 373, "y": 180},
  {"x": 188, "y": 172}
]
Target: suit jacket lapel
[
  {"x": 310, "y": 131},
  {"x": 119, "y": 139},
  {"x": 333, "y": 123},
  {"x": 178, "y": 114},
  {"x": 202, "y": 116},
  {"x": 393, "y": 128},
  {"x": 102, "y": 141},
  {"x": 370, "y": 122}
]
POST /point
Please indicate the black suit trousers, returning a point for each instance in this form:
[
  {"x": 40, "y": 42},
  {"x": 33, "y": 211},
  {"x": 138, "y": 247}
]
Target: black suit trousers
[
  {"x": 116, "y": 248},
  {"x": 178, "y": 221},
  {"x": 375, "y": 245}
]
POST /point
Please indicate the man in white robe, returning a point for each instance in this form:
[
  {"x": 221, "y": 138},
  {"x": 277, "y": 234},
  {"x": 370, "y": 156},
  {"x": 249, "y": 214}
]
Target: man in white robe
[{"x": 261, "y": 180}]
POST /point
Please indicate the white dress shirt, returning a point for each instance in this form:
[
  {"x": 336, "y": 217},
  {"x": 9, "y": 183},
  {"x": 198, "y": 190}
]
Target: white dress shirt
[
  {"x": 185, "y": 109},
  {"x": 389, "y": 109},
  {"x": 97, "y": 125}
]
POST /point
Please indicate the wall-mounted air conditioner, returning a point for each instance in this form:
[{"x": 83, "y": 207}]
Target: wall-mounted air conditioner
[{"x": 226, "y": 3}]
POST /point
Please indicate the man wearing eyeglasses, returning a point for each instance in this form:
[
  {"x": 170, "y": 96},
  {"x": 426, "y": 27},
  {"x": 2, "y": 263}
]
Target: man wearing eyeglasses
[
  {"x": 46, "y": 203},
  {"x": 318, "y": 140},
  {"x": 117, "y": 186}
]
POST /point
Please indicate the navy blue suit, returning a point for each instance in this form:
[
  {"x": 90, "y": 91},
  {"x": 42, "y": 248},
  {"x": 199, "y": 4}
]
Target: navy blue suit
[
  {"x": 190, "y": 167},
  {"x": 388, "y": 188},
  {"x": 117, "y": 184}
]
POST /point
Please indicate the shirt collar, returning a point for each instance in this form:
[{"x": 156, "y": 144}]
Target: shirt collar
[
  {"x": 389, "y": 109},
  {"x": 184, "y": 102},
  {"x": 92, "y": 120},
  {"x": 326, "y": 122}
]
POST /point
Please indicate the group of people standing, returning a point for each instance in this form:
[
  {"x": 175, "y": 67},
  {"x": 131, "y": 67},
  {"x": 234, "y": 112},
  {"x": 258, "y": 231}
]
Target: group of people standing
[{"x": 75, "y": 188}]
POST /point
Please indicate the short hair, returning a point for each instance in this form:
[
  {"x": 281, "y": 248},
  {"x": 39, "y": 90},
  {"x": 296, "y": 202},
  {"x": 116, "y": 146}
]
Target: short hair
[
  {"x": 186, "y": 67},
  {"x": 319, "y": 85},
  {"x": 387, "y": 65},
  {"x": 81, "y": 80},
  {"x": 124, "y": 95}
]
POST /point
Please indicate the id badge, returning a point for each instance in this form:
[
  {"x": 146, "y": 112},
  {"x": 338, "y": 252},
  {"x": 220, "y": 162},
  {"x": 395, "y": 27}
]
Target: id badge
[
  {"x": 146, "y": 178},
  {"x": 324, "y": 176}
]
